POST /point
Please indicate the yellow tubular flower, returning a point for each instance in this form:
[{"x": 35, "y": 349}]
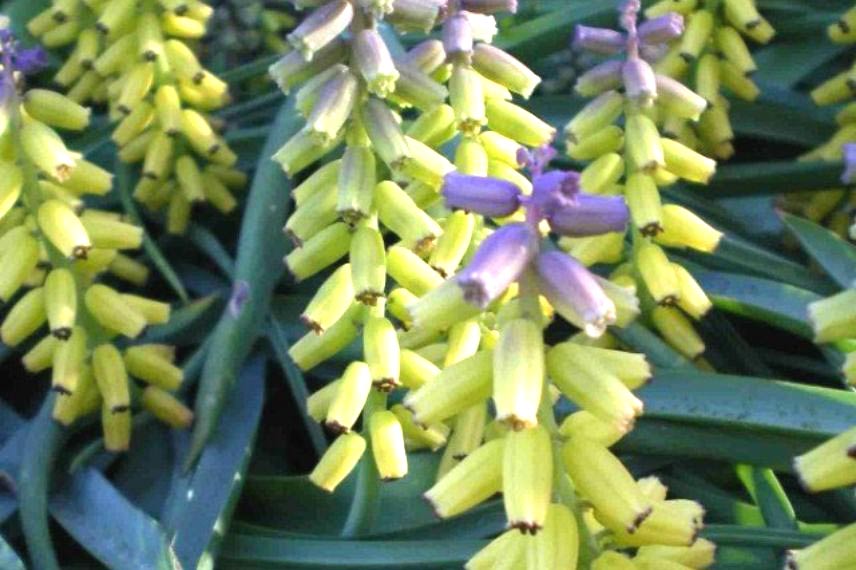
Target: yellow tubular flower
[
  {"x": 829, "y": 465},
  {"x": 473, "y": 480},
  {"x": 838, "y": 550},
  {"x": 527, "y": 478},
  {"x": 518, "y": 373},
  {"x": 604, "y": 481},
  {"x": 338, "y": 461}
]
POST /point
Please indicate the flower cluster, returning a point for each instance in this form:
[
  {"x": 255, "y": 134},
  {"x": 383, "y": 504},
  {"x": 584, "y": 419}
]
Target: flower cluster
[
  {"x": 462, "y": 323},
  {"x": 53, "y": 249},
  {"x": 835, "y": 207},
  {"x": 714, "y": 51},
  {"x": 138, "y": 61},
  {"x": 634, "y": 160}
]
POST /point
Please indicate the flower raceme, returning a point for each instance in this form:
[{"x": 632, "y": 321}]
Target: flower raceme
[
  {"x": 52, "y": 251},
  {"x": 450, "y": 277},
  {"x": 138, "y": 61},
  {"x": 713, "y": 51},
  {"x": 634, "y": 160}
]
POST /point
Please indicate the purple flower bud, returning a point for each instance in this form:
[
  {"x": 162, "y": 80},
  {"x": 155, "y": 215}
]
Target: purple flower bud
[
  {"x": 640, "y": 83},
  {"x": 14, "y": 58},
  {"x": 628, "y": 12},
  {"x": 537, "y": 159},
  {"x": 662, "y": 30},
  {"x": 498, "y": 262},
  {"x": 590, "y": 216},
  {"x": 849, "y": 153},
  {"x": 574, "y": 292},
  {"x": 490, "y": 6},
  {"x": 458, "y": 35},
  {"x": 551, "y": 191},
  {"x": 598, "y": 40},
  {"x": 480, "y": 194}
]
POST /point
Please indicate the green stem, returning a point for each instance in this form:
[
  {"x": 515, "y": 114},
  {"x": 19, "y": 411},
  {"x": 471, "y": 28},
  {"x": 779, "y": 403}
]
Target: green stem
[
  {"x": 563, "y": 488},
  {"x": 365, "y": 505},
  {"x": 248, "y": 70},
  {"x": 45, "y": 437}
]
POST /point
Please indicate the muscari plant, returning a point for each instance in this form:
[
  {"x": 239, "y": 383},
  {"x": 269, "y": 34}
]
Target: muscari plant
[
  {"x": 138, "y": 59},
  {"x": 635, "y": 159},
  {"x": 55, "y": 251},
  {"x": 473, "y": 336},
  {"x": 442, "y": 347}
]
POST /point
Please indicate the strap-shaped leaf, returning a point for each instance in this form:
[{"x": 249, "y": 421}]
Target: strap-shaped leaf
[{"x": 833, "y": 254}]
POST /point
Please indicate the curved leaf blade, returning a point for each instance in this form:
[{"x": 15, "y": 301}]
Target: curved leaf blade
[{"x": 833, "y": 254}]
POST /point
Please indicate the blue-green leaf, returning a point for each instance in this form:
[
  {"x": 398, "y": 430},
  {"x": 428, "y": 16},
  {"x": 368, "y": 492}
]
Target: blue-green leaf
[
  {"x": 200, "y": 505},
  {"x": 781, "y": 305},
  {"x": 833, "y": 254}
]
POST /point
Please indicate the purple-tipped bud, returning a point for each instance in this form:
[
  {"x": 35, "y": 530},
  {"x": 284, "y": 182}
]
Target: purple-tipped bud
[
  {"x": 849, "y": 153},
  {"x": 490, "y": 6},
  {"x": 590, "y": 216},
  {"x": 574, "y": 292},
  {"x": 458, "y": 36},
  {"x": 498, "y": 262},
  {"x": 552, "y": 191},
  {"x": 600, "y": 78},
  {"x": 480, "y": 194},
  {"x": 628, "y": 12},
  {"x": 598, "y": 40},
  {"x": 14, "y": 58},
  {"x": 662, "y": 29},
  {"x": 640, "y": 83}
]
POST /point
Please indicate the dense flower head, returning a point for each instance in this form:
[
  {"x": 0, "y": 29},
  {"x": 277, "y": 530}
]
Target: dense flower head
[
  {"x": 678, "y": 40},
  {"x": 53, "y": 250},
  {"x": 139, "y": 62},
  {"x": 624, "y": 134}
]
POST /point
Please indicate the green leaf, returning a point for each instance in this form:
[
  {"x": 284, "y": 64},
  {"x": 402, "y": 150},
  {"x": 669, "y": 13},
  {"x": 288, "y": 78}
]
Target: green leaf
[
  {"x": 767, "y": 492},
  {"x": 208, "y": 244},
  {"x": 720, "y": 400},
  {"x": 272, "y": 501},
  {"x": 783, "y": 306},
  {"x": 108, "y": 526},
  {"x": 188, "y": 318},
  {"x": 200, "y": 505},
  {"x": 9, "y": 559},
  {"x": 833, "y": 254},
  {"x": 658, "y": 352},
  {"x": 123, "y": 187},
  {"x": 785, "y": 64},
  {"x": 296, "y": 385},
  {"x": 749, "y": 178},
  {"x": 746, "y": 558},
  {"x": 743, "y": 255},
  {"x": 762, "y": 446},
  {"x": 248, "y": 70},
  {"x": 734, "y": 535},
  {"x": 248, "y": 552},
  {"x": 261, "y": 247}
]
